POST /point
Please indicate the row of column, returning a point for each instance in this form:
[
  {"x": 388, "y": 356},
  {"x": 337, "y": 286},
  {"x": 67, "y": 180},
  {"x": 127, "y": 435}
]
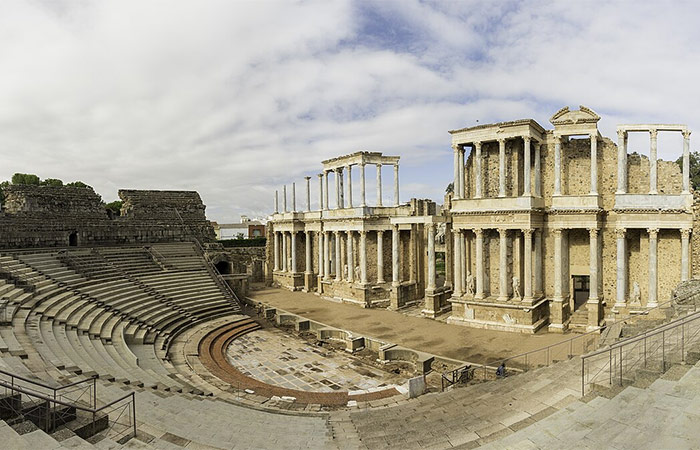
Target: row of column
[
  {"x": 340, "y": 189},
  {"x": 622, "y": 288},
  {"x": 284, "y": 262},
  {"x": 622, "y": 136},
  {"x": 558, "y": 159},
  {"x": 459, "y": 182}
]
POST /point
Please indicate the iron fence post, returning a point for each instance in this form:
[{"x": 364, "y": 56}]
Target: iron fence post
[
  {"x": 620, "y": 365},
  {"x": 610, "y": 367},
  {"x": 583, "y": 371},
  {"x": 133, "y": 402},
  {"x": 663, "y": 351}
]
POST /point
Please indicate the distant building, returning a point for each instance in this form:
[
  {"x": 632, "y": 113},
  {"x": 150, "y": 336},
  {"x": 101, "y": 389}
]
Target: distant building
[{"x": 247, "y": 228}]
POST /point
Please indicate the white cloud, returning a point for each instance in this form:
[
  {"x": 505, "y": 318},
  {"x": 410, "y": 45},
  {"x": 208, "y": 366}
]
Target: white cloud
[{"x": 234, "y": 99}]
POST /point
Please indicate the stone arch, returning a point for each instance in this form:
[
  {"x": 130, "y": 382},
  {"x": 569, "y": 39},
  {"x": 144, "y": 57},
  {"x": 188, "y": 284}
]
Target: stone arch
[{"x": 73, "y": 239}]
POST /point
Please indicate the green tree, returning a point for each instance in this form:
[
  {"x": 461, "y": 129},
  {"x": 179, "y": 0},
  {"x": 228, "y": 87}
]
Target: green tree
[
  {"x": 52, "y": 182},
  {"x": 25, "y": 178},
  {"x": 240, "y": 236},
  {"x": 694, "y": 169},
  {"x": 78, "y": 184},
  {"x": 115, "y": 207}
]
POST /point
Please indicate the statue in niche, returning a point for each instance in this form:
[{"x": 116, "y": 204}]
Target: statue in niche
[
  {"x": 516, "y": 288},
  {"x": 357, "y": 274},
  {"x": 470, "y": 283},
  {"x": 636, "y": 297}
]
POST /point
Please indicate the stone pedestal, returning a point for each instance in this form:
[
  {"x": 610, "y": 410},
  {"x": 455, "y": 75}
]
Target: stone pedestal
[{"x": 309, "y": 282}]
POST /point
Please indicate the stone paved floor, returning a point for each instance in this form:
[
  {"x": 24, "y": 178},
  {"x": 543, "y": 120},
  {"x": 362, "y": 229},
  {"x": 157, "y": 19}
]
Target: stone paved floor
[{"x": 271, "y": 356}]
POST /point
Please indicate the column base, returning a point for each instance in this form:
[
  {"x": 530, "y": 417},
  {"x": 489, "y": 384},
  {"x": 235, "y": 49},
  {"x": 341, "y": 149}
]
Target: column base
[{"x": 652, "y": 304}]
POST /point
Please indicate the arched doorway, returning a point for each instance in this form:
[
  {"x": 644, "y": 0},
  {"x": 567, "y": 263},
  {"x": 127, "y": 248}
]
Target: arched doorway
[
  {"x": 73, "y": 239},
  {"x": 224, "y": 267}
]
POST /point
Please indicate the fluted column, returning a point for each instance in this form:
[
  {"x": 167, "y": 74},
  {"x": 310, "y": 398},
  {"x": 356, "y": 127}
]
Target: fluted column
[
  {"x": 462, "y": 187},
  {"x": 538, "y": 170},
  {"x": 501, "y": 167},
  {"x": 593, "y": 265},
  {"x": 621, "y": 162},
  {"x": 351, "y": 257},
  {"x": 326, "y": 255},
  {"x": 527, "y": 181},
  {"x": 396, "y": 184},
  {"x": 477, "y": 167},
  {"x": 320, "y": 191},
  {"x": 285, "y": 264},
  {"x": 653, "y": 267},
  {"x": 395, "y": 275},
  {"x": 455, "y": 184},
  {"x": 686, "y": 162},
  {"x": 326, "y": 205},
  {"x": 341, "y": 187},
  {"x": 457, "y": 252},
  {"x": 431, "y": 256},
  {"x": 284, "y": 197},
  {"x": 557, "y": 165},
  {"x": 653, "y": 163},
  {"x": 538, "y": 262},
  {"x": 379, "y": 185},
  {"x": 320, "y": 259},
  {"x": 277, "y": 205},
  {"x": 363, "y": 198},
  {"x": 277, "y": 251},
  {"x": 380, "y": 256},
  {"x": 463, "y": 258},
  {"x": 558, "y": 295},
  {"x": 621, "y": 268},
  {"x": 308, "y": 193},
  {"x": 337, "y": 263},
  {"x": 363, "y": 257},
  {"x": 503, "y": 265},
  {"x": 527, "y": 272},
  {"x": 293, "y": 244},
  {"x": 685, "y": 254},
  {"x": 309, "y": 262},
  {"x": 348, "y": 168},
  {"x": 594, "y": 164},
  {"x": 479, "y": 263},
  {"x": 337, "y": 190}
]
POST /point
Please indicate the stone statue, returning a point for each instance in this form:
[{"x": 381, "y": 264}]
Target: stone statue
[
  {"x": 516, "y": 288},
  {"x": 470, "y": 283},
  {"x": 357, "y": 274},
  {"x": 636, "y": 294}
]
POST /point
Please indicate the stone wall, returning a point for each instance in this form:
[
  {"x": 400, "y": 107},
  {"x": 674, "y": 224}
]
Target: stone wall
[{"x": 47, "y": 216}]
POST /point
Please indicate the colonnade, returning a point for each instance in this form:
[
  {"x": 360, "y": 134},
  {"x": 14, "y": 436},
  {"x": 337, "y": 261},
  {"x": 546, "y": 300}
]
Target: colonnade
[
  {"x": 558, "y": 158},
  {"x": 622, "y": 262},
  {"x": 459, "y": 185},
  {"x": 622, "y": 136}
]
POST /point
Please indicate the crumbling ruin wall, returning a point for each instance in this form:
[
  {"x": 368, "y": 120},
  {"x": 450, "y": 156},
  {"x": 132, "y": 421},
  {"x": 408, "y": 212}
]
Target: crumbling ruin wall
[{"x": 47, "y": 216}]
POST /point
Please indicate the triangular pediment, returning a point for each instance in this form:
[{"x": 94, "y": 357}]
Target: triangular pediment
[{"x": 565, "y": 116}]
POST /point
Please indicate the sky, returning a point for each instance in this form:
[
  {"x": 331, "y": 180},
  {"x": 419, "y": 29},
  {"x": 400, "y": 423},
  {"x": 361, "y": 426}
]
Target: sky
[{"x": 235, "y": 99}]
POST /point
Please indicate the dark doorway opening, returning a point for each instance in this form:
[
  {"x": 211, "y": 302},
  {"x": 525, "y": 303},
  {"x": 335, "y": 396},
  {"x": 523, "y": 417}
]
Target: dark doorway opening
[
  {"x": 581, "y": 290},
  {"x": 73, "y": 239},
  {"x": 224, "y": 267}
]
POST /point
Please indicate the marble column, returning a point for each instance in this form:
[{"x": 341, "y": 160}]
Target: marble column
[
  {"x": 277, "y": 251},
  {"x": 380, "y": 257},
  {"x": 458, "y": 286},
  {"x": 351, "y": 257},
  {"x": 653, "y": 267},
  {"x": 363, "y": 257},
  {"x": 593, "y": 265},
  {"x": 336, "y": 260},
  {"x": 558, "y": 269},
  {"x": 431, "y": 256},
  {"x": 342, "y": 187},
  {"x": 348, "y": 168},
  {"x": 277, "y": 205},
  {"x": 396, "y": 185},
  {"x": 503, "y": 265},
  {"x": 456, "y": 182},
  {"x": 538, "y": 170},
  {"x": 686, "y": 162},
  {"x": 284, "y": 197},
  {"x": 501, "y": 167},
  {"x": 621, "y": 299},
  {"x": 320, "y": 259},
  {"x": 653, "y": 162},
  {"x": 309, "y": 262},
  {"x": 594, "y": 164},
  {"x": 477, "y": 167},
  {"x": 363, "y": 198},
  {"x": 463, "y": 258},
  {"x": 285, "y": 264},
  {"x": 379, "y": 185},
  {"x": 293, "y": 250},
  {"x": 538, "y": 262},
  {"x": 326, "y": 205},
  {"x": 527, "y": 269},
  {"x": 412, "y": 266},
  {"x": 395, "y": 275},
  {"x": 621, "y": 162},
  {"x": 326, "y": 255},
  {"x": 557, "y": 165},
  {"x": 685, "y": 254},
  {"x": 479, "y": 263},
  {"x": 320, "y": 191},
  {"x": 308, "y": 193},
  {"x": 462, "y": 187},
  {"x": 294, "y": 197},
  {"x": 337, "y": 189},
  {"x": 527, "y": 171}
]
